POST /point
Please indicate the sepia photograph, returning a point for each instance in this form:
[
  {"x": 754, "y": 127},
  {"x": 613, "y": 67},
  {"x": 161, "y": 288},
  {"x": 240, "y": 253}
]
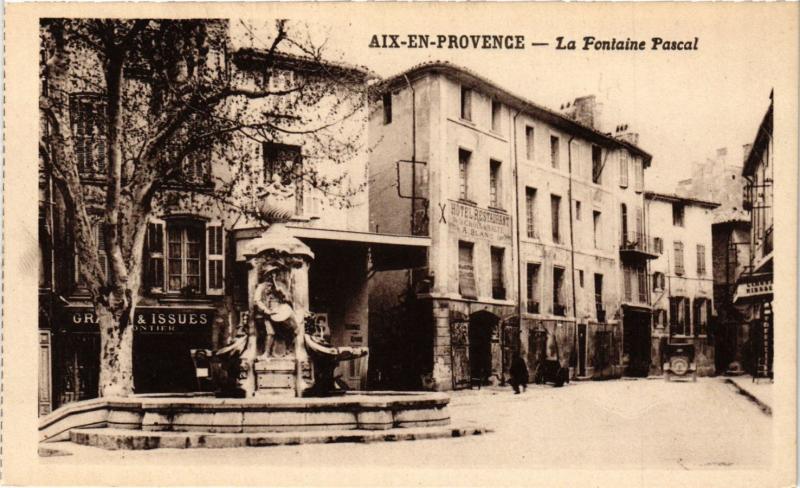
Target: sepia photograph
[{"x": 401, "y": 244}]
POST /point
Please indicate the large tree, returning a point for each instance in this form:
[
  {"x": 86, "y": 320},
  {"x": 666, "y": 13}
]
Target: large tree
[{"x": 137, "y": 113}]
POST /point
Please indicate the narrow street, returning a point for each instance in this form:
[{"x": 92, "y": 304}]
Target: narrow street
[{"x": 615, "y": 424}]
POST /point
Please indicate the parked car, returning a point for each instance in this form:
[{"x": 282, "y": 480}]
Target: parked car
[{"x": 679, "y": 362}]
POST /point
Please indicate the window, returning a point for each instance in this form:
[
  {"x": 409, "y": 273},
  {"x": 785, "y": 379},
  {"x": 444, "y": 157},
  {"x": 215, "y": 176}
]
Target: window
[
  {"x": 679, "y": 318},
  {"x": 494, "y": 184},
  {"x": 530, "y": 212},
  {"x": 498, "y": 284},
  {"x": 596, "y": 228},
  {"x": 641, "y": 282},
  {"x": 554, "y": 156},
  {"x": 466, "y": 271},
  {"x": 463, "y": 169},
  {"x": 597, "y": 164},
  {"x": 580, "y": 277},
  {"x": 87, "y": 115},
  {"x": 701, "y": 259},
  {"x": 558, "y": 291},
  {"x": 678, "y": 248},
  {"x": 466, "y": 103},
  {"x": 155, "y": 257},
  {"x": 677, "y": 214},
  {"x": 387, "y": 108},
  {"x": 658, "y": 281},
  {"x": 702, "y": 314},
  {"x": 658, "y": 245},
  {"x": 283, "y": 166},
  {"x": 640, "y": 225},
  {"x": 532, "y": 292},
  {"x": 623, "y": 211},
  {"x": 577, "y": 209},
  {"x": 555, "y": 212},
  {"x": 598, "y": 297},
  {"x": 184, "y": 258},
  {"x": 216, "y": 259},
  {"x": 623, "y": 169},
  {"x": 660, "y": 319},
  {"x": 496, "y": 111},
  {"x": 529, "y": 142},
  {"x": 638, "y": 171}
]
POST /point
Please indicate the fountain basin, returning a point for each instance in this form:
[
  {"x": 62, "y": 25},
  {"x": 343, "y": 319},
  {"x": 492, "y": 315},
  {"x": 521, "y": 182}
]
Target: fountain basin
[{"x": 362, "y": 411}]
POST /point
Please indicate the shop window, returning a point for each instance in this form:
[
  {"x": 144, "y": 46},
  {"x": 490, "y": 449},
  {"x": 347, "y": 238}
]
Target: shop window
[
  {"x": 463, "y": 173},
  {"x": 387, "y": 108},
  {"x": 466, "y": 270},
  {"x": 555, "y": 212},
  {"x": 496, "y": 114},
  {"x": 678, "y": 250},
  {"x": 624, "y": 163},
  {"x": 495, "y": 199},
  {"x": 88, "y": 120},
  {"x": 466, "y": 103},
  {"x": 701, "y": 260},
  {"x": 679, "y": 316},
  {"x": 702, "y": 315},
  {"x": 530, "y": 212},
  {"x": 559, "y": 307},
  {"x": 498, "y": 283},
  {"x": 532, "y": 290},
  {"x": 597, "y": 164},
  {"x": 283, "y": 166},
  {"x": 529, "y": 143},
  {"x": 554, "y": 151}
]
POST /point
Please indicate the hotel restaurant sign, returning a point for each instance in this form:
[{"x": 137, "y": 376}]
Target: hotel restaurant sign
[
  {"x": 478, "y": 223},
  {"x": 151, "y": 320}
]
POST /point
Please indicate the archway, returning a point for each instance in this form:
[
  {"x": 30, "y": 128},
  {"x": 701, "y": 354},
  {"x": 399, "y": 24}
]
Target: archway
[{"x": 481, "y": 328}]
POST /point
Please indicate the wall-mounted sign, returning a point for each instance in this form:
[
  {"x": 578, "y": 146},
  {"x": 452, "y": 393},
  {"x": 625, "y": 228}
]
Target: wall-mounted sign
[
  {"x": 479, "y": 223},
  {"x": 153, "y": 320}
]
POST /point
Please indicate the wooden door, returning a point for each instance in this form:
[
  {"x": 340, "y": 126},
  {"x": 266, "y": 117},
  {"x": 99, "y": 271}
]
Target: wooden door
[{"x": 459, "y": 351}]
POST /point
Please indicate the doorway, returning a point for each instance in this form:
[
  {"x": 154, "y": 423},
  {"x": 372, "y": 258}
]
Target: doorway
[
  {"x": 481, "y": 326},
  {"x": 636, "y": 342},
  {"x": 581, "y": 349}
]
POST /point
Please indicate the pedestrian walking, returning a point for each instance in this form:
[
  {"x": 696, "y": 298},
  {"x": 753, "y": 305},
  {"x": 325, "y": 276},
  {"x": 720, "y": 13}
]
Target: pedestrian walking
[{"x": 519, "y": 374}]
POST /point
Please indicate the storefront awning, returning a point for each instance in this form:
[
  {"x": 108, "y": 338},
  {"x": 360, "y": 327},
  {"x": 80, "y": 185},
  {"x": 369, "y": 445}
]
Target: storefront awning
[{"x": 388, "y": 251}]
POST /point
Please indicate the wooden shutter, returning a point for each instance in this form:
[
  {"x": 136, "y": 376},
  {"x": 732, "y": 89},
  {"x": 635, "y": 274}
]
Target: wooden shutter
[
  {"x": 215, "y": 258},
  {"x": 466, "y": 271},
  {"x": 154, "y": 263}
]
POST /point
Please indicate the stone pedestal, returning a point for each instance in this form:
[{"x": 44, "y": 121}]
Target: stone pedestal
[{"x": 277, "y": 376}]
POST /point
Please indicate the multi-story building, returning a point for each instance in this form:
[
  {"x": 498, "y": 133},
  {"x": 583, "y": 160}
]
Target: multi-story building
[
  {"x": 682, "y": 277},
  {"x": 719, "y": 179},
  {"x": 533, "y": 219},
  {"x": 754, "y": 285},
  {"x": 195, "y": 291}
]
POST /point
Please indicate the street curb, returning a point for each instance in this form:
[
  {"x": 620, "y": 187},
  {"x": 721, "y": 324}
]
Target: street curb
[{"x": 761, "y": 405}]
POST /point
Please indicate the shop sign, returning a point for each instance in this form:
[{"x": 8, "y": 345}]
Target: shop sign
[
  {"x": 479, "y": 223},
  {"x": 152, "y": 320}
]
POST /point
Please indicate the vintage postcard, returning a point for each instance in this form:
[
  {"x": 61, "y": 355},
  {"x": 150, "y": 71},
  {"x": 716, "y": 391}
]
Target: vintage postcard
[{"x": 400, "y": 244}]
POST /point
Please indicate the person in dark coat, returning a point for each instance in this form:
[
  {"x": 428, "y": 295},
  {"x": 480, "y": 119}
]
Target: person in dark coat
[{"x": 519, "y": 374}]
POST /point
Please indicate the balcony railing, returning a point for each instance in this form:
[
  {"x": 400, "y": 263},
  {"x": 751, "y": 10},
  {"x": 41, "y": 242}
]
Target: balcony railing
[{"x": 638, "y": 243}]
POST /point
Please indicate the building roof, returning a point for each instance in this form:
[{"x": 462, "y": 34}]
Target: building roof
[
  {"x": 553, "y": 117},
  {"x": 761, "y": 142},
  {"x": 251, "y": 58},
  {"x": 671, "y": 197}
]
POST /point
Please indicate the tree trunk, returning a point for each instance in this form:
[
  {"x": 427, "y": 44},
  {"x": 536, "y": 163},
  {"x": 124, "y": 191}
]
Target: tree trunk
[{"x": 116, "y": 353}]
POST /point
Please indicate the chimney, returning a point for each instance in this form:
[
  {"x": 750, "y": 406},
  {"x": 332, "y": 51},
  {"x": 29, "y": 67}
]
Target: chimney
[
  {"x": 585, "y": 111},
  {"x": 631, "y": 137},
  {"x": 746, "y": 151}
]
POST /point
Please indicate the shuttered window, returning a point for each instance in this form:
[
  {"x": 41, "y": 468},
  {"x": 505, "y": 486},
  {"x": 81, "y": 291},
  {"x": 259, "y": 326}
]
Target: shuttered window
[
  {"x": 216, "y": 260},
  {"x": 466, "y": 270},
  {"x": 701, "y": 259},
  {"x": 87, "y": 116},
  {"x": 678, "y": 248},
  {"x": 155, "y": 256}
]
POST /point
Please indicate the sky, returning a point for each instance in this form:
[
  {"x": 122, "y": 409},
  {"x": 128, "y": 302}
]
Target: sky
[{"x": 684, "y": 105}]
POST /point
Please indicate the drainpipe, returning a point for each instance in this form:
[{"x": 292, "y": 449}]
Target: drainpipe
[
  {"x": 516, "y": 217},
  {"x": 571, "y": 233},
  {"x": 413, "y": 150}
]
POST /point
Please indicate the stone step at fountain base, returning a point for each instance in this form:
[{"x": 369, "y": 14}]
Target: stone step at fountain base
[{"x": 123, "y": 439}]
